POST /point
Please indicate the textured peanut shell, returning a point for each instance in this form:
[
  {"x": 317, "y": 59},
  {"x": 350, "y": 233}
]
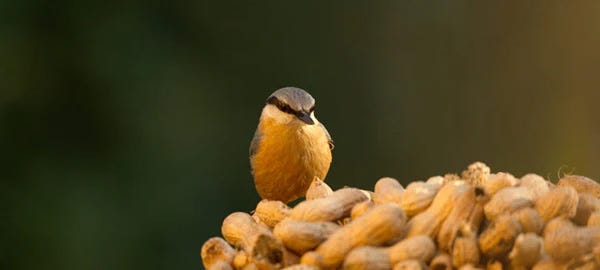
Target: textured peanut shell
[
  {"x": 581, "y": 184},
  {"x": 334, "y": 207},
  {"x": 507, "y": 201},
  {"x": 220, "y": 265},
  {"x": 375, "y": 227},
  {"x": 429, "y": 222},
  {"x": 465, "y": 251},
  {"x": 300, "y": 267},
  {"x": 240, "y": 230},
  {"x": 290, "y": 258},
  {"x": 594, "y": 219},
  {"x": 312, "y": 258},
  {"x": 421, "y": 248},
  {"x": 476, "y": 174},
  {"x": 586, "y": 205},
  {"x": 417, "y": 197},
  {"x": 536, "y": 185},
  {"x": 530, "y": 220},
  {"x": 214, "y": 250},
  {"x": 437, "y": 181},
  {"x": 494, "y": 265},
  {"x": 367, "y": 258},
  {"x": 548, "y": 264},
  {"x": 240, "y": 260},
  {"x": 498, "y": 181},
  {"x": 441, "y": 261},
  {"x": 410, "y": 265},
  {"x": 526, "y": 252},
  {"x": 271, "y": 212},
  {"x": 388, "y": 190},
  {"x": 318, "y": 189},
  {"x": 301, "y": 236},
  {"x": 564, "y": 241},
  {"x": 559, "y": 201},
  {"x": 360, "y": 208},
  {"x": 467, "y": 215},
  {"x": 469, "y": 267},
  {"x": 498, "y": 238}
]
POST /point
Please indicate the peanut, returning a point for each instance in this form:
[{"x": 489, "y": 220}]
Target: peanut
[
  {"x": 529, "y": 219},
  {"x": 214, "y": 250},
  {"x": 507, "y": 201},
  {"x": 526, "y": 252},
  {"x": 494, "y": 265},
  {"x": 498, "y": 181},
  {"x": 437, "y": 181},
  {"x": 429, "y": 222},
  {"x": 220, "y": 265},
  {"x": 301, "y": 267},
  {"x": 467, "y": 214},
  {"x": 367, "y": 258},
  {"x": 441, "y": 261},
  {"x": 417, "y": 197},
  {"x": 410, "y": 265},
  {"x": 476, "y": 174},
  {"x": 360, "y": 208},
  {"x": 548, "y": 264},
  {"x": 581, "y": 184},
  {"x": 465, "y": 251},
  {"x": 497, "y": 239},
  {"x": 586, "y": 205},
  {"x": 258, "y": 242},
  {"x": 272, "y": 212},
  {"x": 594, "y": 219},
  {"x": 469, "y": 267},
  {"x": 421, "y": 248},
  {"x": 318, "y": 189},
  {"x": 331, "y": 208},
  {"x": 536, "y": 185},
  {"x": 388, "y": 190},
  {"x": 301, "y": 236},
  {"x": 559, "y": 201},
  {"x": 565, "y": 241},
  {"x": 240, "y": 260},
  {"x": 375, "y": 227}
]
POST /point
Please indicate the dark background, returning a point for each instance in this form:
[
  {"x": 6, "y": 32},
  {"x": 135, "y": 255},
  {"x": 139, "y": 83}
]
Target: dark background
[{"x": 124, "y": 128}]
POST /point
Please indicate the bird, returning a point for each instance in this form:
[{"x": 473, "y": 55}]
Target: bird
[{"x": 290, "y": 146}]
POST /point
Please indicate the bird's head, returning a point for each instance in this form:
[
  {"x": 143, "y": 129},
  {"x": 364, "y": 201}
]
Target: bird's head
[{"x": 290, "y": 105}]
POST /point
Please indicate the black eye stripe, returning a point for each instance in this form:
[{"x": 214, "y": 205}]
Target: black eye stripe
[{"x": 282, "y": 106}]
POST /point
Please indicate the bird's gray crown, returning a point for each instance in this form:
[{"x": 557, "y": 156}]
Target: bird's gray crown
[{"x": 292, "y": 100}]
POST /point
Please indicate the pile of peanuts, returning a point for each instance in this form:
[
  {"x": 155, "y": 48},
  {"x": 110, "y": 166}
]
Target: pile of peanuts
[{"x": 478, "y": 220}]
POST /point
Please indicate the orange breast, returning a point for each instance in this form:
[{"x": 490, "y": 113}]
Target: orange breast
[{"x": 288, "y": 158}]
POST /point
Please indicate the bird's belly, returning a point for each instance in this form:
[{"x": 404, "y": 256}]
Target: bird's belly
[{"x": 284, "y": 168}]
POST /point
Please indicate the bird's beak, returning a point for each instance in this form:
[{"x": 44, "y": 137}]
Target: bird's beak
[{"x": 305, "y": 117}]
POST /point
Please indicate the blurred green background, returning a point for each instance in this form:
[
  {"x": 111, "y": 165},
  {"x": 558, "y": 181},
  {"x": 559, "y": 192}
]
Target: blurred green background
[{"x": 124, "y": 128}]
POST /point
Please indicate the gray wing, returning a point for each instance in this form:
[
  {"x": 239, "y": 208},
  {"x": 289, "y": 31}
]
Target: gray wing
[
  {"x": 255, "y": 142},
  {"x": 331, "y": 145}
]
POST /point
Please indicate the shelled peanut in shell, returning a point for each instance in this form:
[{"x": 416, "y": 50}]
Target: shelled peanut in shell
[{"x": 477, "y": 220}]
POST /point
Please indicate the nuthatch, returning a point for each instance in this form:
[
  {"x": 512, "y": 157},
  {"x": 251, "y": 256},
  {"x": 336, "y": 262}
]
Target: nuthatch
[{"x": 290, "y": 146}]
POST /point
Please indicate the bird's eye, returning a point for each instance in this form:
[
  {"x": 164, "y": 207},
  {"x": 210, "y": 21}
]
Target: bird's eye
[{"x": 311, "y": 109}]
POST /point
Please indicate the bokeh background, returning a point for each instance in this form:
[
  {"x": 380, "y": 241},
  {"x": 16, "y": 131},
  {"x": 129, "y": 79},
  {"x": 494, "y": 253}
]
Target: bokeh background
[{"x": 124, "y": 128}]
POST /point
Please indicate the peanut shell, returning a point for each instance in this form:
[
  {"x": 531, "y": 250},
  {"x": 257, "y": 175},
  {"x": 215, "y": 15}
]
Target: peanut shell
[
  {"x": 318, "y": 189},
  {"x": 559, "y": 201},
  {"x": 507, "y": 201},
  {"x": 581, "y": 184},
  {"x": 334, "y": 207}
]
